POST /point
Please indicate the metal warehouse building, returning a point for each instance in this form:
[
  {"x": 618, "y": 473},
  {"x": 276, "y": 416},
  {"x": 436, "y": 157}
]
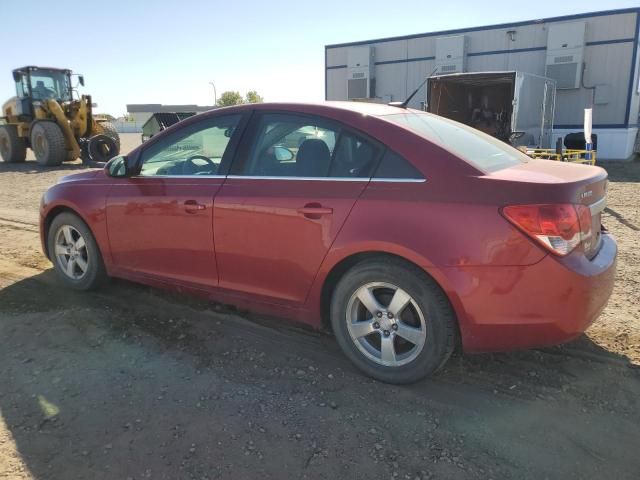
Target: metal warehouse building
[{"x": 592, "y": 56}]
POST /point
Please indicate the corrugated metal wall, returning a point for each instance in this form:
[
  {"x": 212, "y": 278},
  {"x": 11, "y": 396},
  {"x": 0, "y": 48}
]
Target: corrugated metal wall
[{"x": 611, "y": 38}]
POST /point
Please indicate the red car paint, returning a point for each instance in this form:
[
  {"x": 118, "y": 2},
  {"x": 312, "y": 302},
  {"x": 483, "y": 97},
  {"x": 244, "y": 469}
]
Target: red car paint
[{"x": 250, "y": 242}]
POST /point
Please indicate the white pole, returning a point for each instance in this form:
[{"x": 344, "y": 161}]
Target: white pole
[
  {"x": 588, "y": 125},
  {"x": 215, "y": 96}
]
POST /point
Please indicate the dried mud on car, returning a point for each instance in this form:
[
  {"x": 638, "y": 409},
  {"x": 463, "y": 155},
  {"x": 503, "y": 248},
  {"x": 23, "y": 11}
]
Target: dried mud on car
[{"x": 132, "y": 382}]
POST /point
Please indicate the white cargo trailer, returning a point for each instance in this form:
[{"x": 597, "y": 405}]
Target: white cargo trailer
[{"x": 516, "y": 107}]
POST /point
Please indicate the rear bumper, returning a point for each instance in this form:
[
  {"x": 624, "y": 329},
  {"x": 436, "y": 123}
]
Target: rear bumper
[{"x": 550, "y": 302}]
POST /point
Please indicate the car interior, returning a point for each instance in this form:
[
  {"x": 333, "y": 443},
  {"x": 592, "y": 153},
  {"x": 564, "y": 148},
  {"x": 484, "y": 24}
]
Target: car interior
[{"x": 317, "y": 155}]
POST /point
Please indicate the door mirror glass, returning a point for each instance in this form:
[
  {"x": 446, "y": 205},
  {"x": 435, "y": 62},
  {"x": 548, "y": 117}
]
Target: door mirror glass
[
  {"x": 16, "y": 76},
  {"x": 282, "y": 154},
  {"x": 117, "y": 167},
  {"x": 81, "y": 80}
]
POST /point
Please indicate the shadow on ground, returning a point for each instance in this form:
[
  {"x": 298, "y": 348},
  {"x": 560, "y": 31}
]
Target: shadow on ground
[
  {"x": 31, "y": 166},
  {"x": 134, "y": 382}
]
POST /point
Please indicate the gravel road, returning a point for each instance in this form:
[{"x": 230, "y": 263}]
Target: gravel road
[{"x": 132, "y": 382}]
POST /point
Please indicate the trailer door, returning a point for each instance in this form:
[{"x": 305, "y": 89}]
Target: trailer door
[
  {"x": 548, "y": 112},
  {"x": 534, "y": 100}
]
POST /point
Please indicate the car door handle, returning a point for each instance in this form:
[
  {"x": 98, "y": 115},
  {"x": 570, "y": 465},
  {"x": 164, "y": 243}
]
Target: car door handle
[
  {"x": 314, "y": 210},
  {"x": 191, "y": 206}
]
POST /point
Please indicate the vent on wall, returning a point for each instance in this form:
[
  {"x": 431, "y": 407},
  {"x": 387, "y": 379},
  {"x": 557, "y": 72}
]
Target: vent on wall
[
  {"x": 448, "y": 68},
  {"x": 565, "y": 54},
  {"x": 360, "y": 80}
]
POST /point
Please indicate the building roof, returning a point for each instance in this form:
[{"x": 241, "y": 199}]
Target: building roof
[{"x": 490, "y": 27}]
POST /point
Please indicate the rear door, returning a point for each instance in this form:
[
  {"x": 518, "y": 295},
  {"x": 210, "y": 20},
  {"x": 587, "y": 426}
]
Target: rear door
[
  {"x": 290, "y": 190},
  {"x": 160, "y": 221}
]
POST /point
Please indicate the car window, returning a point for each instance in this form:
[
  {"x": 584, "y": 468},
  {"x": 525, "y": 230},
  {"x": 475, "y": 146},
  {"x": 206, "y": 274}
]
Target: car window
[
  {"x": 479, "y": 149},
  {"x": 193, "y": 150},
  {"x": 306, "y": 146},
  {"x": 394, "y": 166}
]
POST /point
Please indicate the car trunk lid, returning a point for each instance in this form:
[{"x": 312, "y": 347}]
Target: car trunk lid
[{"x": 549, "y": 182}]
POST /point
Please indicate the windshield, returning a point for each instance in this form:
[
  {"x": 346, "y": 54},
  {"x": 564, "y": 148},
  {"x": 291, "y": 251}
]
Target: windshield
[
  {"x": 479, "y": 149},
  {"x": 50, "y": 84}
]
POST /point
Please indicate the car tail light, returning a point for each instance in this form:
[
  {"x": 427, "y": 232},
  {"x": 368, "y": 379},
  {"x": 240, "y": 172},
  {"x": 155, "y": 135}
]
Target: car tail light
[{"x": 558, "y": 227}]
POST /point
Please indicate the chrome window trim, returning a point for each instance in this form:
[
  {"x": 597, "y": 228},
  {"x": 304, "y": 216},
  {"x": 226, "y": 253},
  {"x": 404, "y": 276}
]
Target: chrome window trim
[
  {"x": 399, "y": 180},
  {"x": 330, "y": 179},
  {"x": 179, "y": 176},
  {"x": 320, "y": 179},
  {"x": 598, "y": 206}
]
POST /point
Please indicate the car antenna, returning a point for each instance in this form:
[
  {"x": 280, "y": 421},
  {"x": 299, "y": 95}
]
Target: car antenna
[{"x": 406, "y": 102}]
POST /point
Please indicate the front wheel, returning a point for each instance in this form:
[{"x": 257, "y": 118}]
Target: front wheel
[
  {"x": 392, "y": 321},
  {"x": 74, "y": 253}
]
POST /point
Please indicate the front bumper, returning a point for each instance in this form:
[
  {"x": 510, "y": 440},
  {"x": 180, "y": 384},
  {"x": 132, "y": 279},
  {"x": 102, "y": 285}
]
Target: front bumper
[{"x": 550, "y": 302}]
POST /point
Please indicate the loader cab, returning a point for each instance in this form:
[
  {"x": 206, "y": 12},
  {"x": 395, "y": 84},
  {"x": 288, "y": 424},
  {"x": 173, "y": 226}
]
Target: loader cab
[{"x": 35, "y": 84}]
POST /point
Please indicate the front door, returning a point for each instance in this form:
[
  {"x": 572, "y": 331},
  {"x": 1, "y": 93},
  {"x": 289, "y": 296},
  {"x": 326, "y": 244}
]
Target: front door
[
  {"x": 160, "y": 221},
  {"x": 291, "y": 189}
]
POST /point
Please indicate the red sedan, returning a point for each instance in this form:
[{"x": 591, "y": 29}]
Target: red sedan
[{"x": 404, "y": 232}]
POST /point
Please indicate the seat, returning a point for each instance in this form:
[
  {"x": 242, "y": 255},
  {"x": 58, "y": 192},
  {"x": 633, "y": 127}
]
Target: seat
[
  {"x": 352, "y": 162},
  {"x": 313, "y": 158}
]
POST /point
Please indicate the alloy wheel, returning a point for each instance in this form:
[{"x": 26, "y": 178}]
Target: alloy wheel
[
  {"x": 71, "y": 252},
  {"x": 386, "y": 324}
]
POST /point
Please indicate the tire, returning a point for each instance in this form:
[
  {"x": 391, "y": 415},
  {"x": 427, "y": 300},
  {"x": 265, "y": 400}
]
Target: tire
[
  {"x": 88, "y": 271},
  {"x": 361, "y": 334},
  {"x": 12, "y": 148},
  {"x": 101, "y": 148},
  {"x": 109, "y": 130},
  {"x": 48, "y": 144}
]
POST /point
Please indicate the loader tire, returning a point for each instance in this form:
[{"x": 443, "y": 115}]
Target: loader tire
[
  {"x": 12, "y": 148},
  {"x": 48, "y": 144},
  {"x": 110, "y": 131}
]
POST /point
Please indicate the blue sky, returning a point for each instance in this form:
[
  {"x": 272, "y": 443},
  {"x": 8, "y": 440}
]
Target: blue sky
[{"x": 167, "y": 51}]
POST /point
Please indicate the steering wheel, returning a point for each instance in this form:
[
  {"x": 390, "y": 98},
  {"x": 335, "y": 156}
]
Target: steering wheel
[{"x": 190, "y": 167}]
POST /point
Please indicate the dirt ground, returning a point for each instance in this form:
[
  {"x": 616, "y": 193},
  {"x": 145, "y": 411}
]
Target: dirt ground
[{"x": 135, "y": 383}]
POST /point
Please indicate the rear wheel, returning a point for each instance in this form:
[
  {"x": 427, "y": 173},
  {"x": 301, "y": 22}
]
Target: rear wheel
[
  {"x": 12, "y": 147},
  {"x": 109, "y": 130},
  {"x": 48, "y": 143},
  {"x": 74, "y": 253},
  {"x": 392, "y": 321}
]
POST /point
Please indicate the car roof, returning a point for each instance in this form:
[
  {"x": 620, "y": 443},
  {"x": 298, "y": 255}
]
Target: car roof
[{"x": 362, "y": 108}]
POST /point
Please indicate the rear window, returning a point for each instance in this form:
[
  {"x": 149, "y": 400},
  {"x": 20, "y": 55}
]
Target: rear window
[{"x": 479, "y": 149}]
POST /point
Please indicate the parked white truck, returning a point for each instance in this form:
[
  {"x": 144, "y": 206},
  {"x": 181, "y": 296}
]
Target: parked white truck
[{"x": 516, "y": 107}]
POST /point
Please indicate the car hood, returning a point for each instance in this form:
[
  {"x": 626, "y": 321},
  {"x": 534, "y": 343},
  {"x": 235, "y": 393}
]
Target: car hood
[{"x": 86, "y": 175}]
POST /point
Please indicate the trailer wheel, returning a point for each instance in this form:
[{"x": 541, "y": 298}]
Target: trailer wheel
[
  {"x": 48, "y": 144},
  {"x": 12, "y": 147}
]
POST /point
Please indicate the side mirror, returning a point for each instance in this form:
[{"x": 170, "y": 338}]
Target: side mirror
[
  {"x": 16, "y": 76},
  {"x": 81, "y": 80},
  {"x": 118, "y": 167},
  {"x": 282, "y": 154}
]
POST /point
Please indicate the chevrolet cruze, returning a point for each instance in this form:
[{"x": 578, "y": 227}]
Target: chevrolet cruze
[{"x": 403, "y": 232}]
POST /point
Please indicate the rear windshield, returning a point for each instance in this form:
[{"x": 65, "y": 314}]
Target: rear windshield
[{"x": 479, "y": 149}]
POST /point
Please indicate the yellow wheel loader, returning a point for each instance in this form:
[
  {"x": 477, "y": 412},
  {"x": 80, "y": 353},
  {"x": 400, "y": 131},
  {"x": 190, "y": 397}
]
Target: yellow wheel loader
[{"x": 45, "y": 116}]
